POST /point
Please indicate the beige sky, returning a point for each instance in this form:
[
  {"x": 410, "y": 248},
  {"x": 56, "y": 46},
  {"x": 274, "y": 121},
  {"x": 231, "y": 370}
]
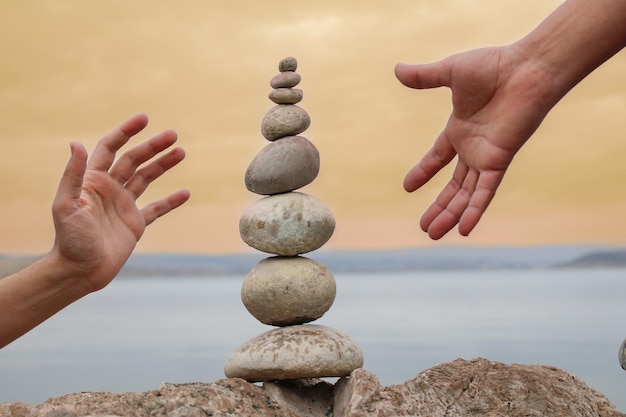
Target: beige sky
[{"x": 74, "y": 70}]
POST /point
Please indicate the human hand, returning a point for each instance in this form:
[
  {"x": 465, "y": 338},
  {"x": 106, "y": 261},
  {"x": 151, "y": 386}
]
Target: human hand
[
  {"x": 95, "y": 215},
  {"x": 498, "y": 103}
]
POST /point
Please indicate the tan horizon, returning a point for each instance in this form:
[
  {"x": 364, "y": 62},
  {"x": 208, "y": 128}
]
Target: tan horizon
[{"x": 75, "y": 70}]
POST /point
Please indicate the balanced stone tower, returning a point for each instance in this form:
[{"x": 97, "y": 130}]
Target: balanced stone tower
[{"x": 288, "y": 290}]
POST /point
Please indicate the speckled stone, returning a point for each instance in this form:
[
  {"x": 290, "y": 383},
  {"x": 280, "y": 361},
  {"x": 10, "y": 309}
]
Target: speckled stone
[
  {"x": 287, "y": 224},
  {"x": 283, "y": 165},
  {"x": 283, "y": 291},
  {"x": 285, "y": 95},
  {"x": 295, "y": 352},
  {"x": 621, "y": 355},
  {"x": 287, "y": 64},
  {"x": 286, "y": 79},
  {"x": 284, "y": 120}
]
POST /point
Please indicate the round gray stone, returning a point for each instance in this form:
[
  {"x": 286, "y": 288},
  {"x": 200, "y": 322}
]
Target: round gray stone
[
  {"x": 621, "y": 355},
  {"x": 283, "y": 291},
  {"x": 287, "y": 64},
  {"x": 287, "y": 224},
  {"x": 286, "y": 79},
  {"x": 295, "y": 352},
  {"x": 284, "y": 120},
  {"x": 283, "y": 165},
  {"x": 285, "y": 95}
]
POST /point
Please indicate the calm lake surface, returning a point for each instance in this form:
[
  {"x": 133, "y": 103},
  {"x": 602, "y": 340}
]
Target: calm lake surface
[{"x": 138, "y": 333}]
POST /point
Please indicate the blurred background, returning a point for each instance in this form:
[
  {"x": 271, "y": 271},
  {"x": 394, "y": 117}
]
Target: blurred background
[{"x": 75, "y": 70}]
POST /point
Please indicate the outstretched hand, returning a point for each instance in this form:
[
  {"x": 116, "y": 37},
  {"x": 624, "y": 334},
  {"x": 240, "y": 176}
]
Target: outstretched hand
[
  {"x": 97, "y": 225},
  {"x": 96, "y": 218},
  {"x": 497, "y": 105}
]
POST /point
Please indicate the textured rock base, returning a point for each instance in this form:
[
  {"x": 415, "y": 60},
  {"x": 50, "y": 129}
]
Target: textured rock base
[{"x": 460, "y": 388}]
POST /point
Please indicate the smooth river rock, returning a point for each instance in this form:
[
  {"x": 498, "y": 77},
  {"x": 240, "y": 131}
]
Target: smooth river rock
[
  {"x": 284, "y": 165},
  {"x": 286, "y": 95},
  {"x": 287, "y": 224},
  {"x": 295, "y": 352},
  {"x": 282, "y": 291},
  {"x": 284, "y": 120},
  {"x": 286, "y": 79}
]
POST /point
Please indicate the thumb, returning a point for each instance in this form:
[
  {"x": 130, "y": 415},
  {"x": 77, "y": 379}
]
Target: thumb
[{"x": 423, "y": 76}]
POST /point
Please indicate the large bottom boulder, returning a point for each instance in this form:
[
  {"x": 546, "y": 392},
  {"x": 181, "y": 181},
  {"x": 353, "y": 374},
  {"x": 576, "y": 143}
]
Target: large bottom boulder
[{"x": 478, "y": 387}]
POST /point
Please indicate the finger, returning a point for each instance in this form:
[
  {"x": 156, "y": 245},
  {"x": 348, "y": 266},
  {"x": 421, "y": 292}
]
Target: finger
[
  {"x": 444, "y": 198},
  {"x": 459, "y": 203},
  {"x": 437, "y": 74},
  {"x": 71, "y": 183},
  {"x": 432, "y": 162},
  {"x": 140, "y": 181},
  {"x": 442, "y": 225},
  {"x": 447, "y": 209},
  {"x": 450, "y": 216},
  {"x": 128, "y": 163},
  {"x": 483, "y": 195},
  {"x": 161, "y": 207},
  {"x": 104, "y": 154}
]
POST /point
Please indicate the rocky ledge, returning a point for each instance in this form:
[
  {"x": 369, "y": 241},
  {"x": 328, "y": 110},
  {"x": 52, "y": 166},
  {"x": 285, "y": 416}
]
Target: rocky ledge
[{"x": 460, "y": 388}]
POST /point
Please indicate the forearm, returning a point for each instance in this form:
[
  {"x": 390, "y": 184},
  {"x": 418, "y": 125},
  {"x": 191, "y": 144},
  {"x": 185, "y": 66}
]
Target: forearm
[
  {"x": 30, "y": 296},
  {"x": 573, "y": 41}
]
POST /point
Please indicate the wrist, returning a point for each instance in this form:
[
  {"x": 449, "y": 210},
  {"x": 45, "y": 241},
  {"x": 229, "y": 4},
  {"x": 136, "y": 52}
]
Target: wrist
[
  {"x": 538, "y": 75},
  {"x": 30, "y": 296},
  {"x": 573, "y": 41},
  {"x": 62, "y": 276}
]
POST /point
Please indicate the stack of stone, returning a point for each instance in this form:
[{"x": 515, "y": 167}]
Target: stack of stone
[{"x": 289, "y": 290}]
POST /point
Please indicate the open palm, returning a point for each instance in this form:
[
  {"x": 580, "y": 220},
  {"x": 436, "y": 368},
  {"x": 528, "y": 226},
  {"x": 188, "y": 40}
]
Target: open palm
[
  {"x": 96, "y": 218},
  {"x": 495, "y": 110}
]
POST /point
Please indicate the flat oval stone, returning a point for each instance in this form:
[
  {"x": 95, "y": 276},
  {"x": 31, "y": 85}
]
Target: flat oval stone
[
  {"x": 288, "y": 64},
  {"x": 285, "y": 95},
  {"x": 285, "y": 79},
  {"x": 284, "y": 120},
  {"x": 295, "y": 352},
  {"x": 283, "y": 165},
  {"x": 286, "y": 224},
  {"x": 283, "y": 291}
]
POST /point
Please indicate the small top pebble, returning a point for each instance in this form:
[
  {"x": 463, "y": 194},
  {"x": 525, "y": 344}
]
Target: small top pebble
[{"x": 287, "y": 64}]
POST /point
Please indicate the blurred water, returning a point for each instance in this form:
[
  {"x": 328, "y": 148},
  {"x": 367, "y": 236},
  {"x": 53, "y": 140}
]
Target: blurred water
[{"x": 138, "y": 333}]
